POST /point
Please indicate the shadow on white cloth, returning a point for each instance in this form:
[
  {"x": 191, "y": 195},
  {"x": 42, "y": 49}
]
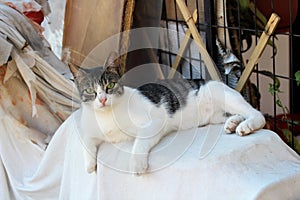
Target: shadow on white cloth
[{"x": 258, "y": 166}]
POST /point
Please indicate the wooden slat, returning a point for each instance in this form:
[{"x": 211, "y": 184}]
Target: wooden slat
[
  {"x": 211, "y": 67},
  {"x": 269, "y": 29},
  {"x": 182, "y": 48}
]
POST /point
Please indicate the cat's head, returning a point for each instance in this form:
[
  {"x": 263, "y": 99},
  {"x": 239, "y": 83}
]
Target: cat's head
[{"x": 100, "y": 87}]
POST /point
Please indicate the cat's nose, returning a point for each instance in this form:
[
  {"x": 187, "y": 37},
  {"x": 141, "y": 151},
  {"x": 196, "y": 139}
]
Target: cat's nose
[{"x": 103, "y": 100}]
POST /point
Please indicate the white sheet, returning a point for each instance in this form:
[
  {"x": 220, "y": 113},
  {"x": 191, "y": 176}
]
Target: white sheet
[{"x": 203, "y": 163}]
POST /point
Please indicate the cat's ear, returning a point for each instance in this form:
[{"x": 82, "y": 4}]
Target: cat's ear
[
  {"x": 112, "y": 63},
  {"x": 76, "y": 71}
]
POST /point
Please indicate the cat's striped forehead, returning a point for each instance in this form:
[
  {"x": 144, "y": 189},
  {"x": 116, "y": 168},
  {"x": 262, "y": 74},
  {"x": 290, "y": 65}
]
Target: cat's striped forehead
[
  {"x": 98, "y": 80},
  {"x": 109, "y": 76}
]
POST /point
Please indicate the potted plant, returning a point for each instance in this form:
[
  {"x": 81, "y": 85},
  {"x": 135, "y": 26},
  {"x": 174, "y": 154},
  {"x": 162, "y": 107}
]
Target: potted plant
[
  {"x": 286, "y": 125},
  {"x": 287, "y": 11}
]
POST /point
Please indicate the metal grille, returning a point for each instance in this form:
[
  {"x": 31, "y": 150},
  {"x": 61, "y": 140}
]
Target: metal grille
[{"x": 273, "y": 86}]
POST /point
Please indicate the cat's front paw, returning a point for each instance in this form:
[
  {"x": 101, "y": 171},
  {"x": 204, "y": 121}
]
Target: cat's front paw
[
  {"x": 91, "y": 166},
  {"x": 232, "y": 122},
  {"x": 90, "y": 162},
  {"x": 138, "y": 164}
]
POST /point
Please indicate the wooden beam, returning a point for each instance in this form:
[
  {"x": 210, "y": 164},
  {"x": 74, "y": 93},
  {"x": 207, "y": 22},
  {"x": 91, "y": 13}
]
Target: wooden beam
[
  {"x": 182, "y": 48},
  {"x": 269, "y": 30},
  {"x": 210, "y": 65}
]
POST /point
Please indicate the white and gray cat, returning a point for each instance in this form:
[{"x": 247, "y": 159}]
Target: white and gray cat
[{"x": 112, "y": 112}]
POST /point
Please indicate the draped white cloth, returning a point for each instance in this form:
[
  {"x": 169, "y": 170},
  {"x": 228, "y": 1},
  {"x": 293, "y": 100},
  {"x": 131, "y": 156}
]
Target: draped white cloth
[{"x": 203, "y": 163}]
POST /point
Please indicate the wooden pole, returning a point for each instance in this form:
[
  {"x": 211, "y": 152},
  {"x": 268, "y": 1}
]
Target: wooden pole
[
  {"x": 211, "y": 67},
  {"x": 269, "y": 29},
  {"x": 182, "y": 48}
]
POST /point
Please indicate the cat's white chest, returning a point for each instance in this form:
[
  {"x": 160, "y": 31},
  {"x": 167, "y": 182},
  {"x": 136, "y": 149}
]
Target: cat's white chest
[
  {"x": 111, "y": 128},
  {"x": 103, "y": 126}
]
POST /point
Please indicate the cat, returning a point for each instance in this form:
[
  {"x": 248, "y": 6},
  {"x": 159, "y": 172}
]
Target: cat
[{"x": 113, "y": 112}]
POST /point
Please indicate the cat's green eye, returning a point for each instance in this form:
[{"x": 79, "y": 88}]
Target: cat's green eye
[
  {"x": 90, "y": 90},
  {"x": 111, "y": 85}
]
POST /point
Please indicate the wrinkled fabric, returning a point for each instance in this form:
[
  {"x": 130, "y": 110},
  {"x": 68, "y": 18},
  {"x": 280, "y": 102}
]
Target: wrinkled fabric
[
  {"x": 24, "y": 5},
  {"x": 34, "y": 88},
  {"x": 259, "y": 166},
  {"x": 22, "y": 34},
  {"x": 5, "y": 50}
]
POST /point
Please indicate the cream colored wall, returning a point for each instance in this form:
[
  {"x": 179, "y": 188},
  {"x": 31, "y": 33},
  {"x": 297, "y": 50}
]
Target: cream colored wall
[{"x": 281, "y": 68}]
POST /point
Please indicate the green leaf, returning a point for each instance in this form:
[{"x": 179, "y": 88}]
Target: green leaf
[
  {"x": 244, "y": 4},
  {"x": 297, "y": 76},
  {"x": 290, "y": 138},
  {"x": 259, "y": 14},
  {"x": 274, "y": 88},
  {"x": 288, "y": 134},
  {"x": 279, "y": 103},
  {"x": 271, "y": 89}
]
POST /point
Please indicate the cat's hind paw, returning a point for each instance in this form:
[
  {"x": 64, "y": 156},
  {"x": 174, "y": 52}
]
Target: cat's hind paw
[{"x": 232, "y": 123}]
